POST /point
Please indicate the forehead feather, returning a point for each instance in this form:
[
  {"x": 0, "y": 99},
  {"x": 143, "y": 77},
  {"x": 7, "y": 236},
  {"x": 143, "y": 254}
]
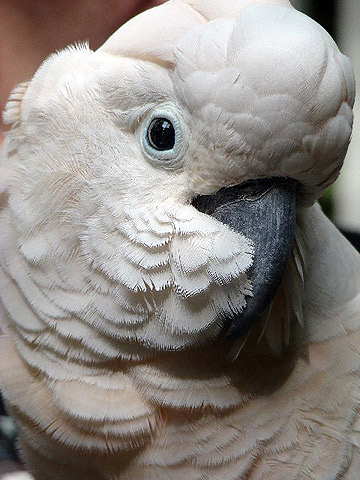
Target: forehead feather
[
  {"x": 153, "y": 34},
  {"x": 271, "y": 50}
]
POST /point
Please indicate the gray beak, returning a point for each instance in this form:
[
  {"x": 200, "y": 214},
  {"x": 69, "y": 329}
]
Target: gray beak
[{"x": 263, "y": 211}]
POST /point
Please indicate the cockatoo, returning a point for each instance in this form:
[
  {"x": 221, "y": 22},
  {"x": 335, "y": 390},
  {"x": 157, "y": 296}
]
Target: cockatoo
[{"x": 175, "y": 304}]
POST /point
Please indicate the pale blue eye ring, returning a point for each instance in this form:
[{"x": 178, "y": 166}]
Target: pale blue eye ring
[{"x": 162, "y": 137}]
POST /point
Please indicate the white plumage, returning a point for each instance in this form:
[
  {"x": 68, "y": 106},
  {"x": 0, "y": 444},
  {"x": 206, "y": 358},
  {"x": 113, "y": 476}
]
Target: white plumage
[{"x": 114, "y": 287}]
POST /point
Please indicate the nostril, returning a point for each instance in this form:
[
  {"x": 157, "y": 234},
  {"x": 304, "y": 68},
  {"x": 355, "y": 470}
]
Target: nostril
[{"x": 247, "y": 191}]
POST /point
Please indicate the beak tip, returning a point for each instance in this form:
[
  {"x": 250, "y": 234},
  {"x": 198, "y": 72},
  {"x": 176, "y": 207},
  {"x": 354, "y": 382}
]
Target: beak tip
[{"x": 241, "y": 324}]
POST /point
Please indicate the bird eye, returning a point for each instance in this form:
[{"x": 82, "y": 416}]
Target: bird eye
[
  {"x": 161, "y": 134},
  {"x": 162, "y": 137}
]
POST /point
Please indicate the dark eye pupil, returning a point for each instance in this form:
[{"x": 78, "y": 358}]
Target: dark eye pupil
[{"x": 161, "y": 134}]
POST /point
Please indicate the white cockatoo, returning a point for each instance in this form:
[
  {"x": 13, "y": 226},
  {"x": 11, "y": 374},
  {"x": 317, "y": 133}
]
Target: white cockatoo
[{"x": 174, "y": 303}]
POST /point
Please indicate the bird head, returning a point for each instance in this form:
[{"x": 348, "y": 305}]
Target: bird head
[{"x": 166, "y": 168}]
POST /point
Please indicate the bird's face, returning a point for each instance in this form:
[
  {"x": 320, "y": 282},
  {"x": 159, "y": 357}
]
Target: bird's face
[
  {"x": 102, "y": 194},
  {"x": 166, "y": 182}
]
